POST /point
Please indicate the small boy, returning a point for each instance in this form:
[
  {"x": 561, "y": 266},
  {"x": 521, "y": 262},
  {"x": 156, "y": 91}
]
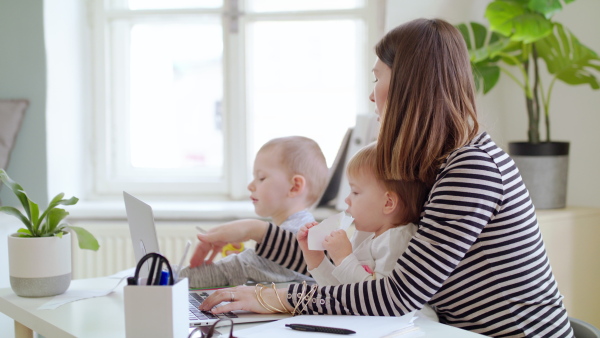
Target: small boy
[
  {"x": 290, "y": 174},
  {"x": 385, "y": 213}
]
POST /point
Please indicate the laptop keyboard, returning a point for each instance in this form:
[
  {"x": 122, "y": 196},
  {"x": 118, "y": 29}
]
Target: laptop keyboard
[{"x": 195, "y": 299}]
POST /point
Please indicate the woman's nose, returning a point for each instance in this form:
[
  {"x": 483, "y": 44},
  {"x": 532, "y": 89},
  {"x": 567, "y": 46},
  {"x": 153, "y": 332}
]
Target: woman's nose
[{"x": 372, "y": 96}]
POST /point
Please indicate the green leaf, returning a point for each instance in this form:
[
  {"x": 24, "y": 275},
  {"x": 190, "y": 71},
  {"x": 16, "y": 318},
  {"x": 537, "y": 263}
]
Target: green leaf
[
  {"x": 514, "y": 20},
  {"x": 546, "y": 7},
  {"x": 57, "y": 200},
  {"x": 485, "y": 48},
  {"x": 568, "y": 59},
  {"x": 34, "y": 210},
  {"x": 488, "y": 75},
  {"x": 24, "y": 231},
  {"x": 85, "y": 239},
  {"x": 17, "y": 190},
  {"x": 55, "y": 216},
  {"x": 15, "y": 212}
]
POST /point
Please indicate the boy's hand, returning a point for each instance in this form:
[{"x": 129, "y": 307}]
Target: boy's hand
[
  {"x": 338, "y": 246},
  {"x": 212, "y": 243},
  {"x": 313, "y": 258}
]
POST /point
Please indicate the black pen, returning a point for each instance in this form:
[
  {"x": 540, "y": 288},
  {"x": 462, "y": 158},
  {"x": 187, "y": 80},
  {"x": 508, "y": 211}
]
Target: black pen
[{"x": 315, "y": 328}]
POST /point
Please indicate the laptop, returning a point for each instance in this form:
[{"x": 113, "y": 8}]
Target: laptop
[{"x": 144, "y": 240}]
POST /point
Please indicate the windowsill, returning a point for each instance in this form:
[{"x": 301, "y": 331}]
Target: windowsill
[{"x": 197, "y": 210}]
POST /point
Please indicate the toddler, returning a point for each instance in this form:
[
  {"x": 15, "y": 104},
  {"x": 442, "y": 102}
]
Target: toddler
[
  {"x": 385, "y": 213},
  {"x": 290, "y": 174}
]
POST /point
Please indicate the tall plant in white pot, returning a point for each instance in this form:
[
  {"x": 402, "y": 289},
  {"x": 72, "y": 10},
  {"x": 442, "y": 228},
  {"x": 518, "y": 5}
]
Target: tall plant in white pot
[
  {"x": 40, "y": 253},
  {"x": 522, "y": 37}
]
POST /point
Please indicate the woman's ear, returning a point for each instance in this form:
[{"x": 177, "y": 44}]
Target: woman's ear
[
  {"x": 392, "y": 202},
  {"x": 298, "y": 185}
]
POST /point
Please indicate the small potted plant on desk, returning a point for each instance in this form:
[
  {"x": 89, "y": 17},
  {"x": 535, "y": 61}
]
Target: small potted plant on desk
[
  {"x": 521, "y": 36},
  {"x": 39, "y": 254}
]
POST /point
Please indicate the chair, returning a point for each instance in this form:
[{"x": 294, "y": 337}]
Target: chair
[{"x": 583, "y": 329}]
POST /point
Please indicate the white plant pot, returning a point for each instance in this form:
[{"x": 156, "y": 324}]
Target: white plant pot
[{"x": 41, "y": 266}]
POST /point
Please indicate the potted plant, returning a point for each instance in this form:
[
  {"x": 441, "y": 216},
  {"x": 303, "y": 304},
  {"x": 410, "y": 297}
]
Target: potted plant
[
  {"x": 521, "y": 37},
  {"x": 40, "y": 253}
]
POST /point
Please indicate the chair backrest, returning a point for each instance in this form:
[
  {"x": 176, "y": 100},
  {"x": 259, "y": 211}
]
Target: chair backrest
[{"x": 583, "y": 329}]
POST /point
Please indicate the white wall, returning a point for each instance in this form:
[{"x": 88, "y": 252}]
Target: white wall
[
  {"x": 23, "y": 76},
  {"x": 574, "y": 110}
]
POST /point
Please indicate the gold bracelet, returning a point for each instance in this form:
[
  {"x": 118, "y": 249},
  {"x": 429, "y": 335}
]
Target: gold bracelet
[
  {"x": 279, "y": 298},
  {"x": 262, "y": 287},
  {"x": 309, "y": 297},
  {"x": 300, "y": 298},
  {"x": 259, "y": 298}
]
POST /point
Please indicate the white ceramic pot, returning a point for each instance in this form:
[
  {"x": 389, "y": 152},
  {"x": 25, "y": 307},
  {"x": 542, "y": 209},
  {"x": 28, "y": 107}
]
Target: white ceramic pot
[{"x": 39, "y": 267}]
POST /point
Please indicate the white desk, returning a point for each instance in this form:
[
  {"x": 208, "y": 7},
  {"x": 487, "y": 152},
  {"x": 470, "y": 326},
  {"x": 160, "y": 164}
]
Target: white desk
[{"x": 103, "y": 317}]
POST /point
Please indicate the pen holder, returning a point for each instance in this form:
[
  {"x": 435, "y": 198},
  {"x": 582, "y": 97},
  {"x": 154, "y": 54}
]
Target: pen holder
[{"x": 157, "y": 310}]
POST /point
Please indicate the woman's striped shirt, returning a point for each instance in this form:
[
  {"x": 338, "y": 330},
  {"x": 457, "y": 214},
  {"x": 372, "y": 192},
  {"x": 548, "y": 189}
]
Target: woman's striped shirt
[{"x": 478, "y": 257}]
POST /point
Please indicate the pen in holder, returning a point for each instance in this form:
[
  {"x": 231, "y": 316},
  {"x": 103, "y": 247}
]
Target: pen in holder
[{"x": 156, "y": 306}]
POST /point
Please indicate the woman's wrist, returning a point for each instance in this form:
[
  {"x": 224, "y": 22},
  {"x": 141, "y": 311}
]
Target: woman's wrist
[
  {"x": 282, "y": 297},
  {"x": 272, "y": 299}
]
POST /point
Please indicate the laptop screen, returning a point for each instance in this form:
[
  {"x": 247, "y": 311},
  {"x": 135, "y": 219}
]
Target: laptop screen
[{"x": 141, "y": 226}]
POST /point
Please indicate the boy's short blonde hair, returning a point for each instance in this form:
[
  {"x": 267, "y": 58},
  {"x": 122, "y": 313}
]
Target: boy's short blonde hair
[
  {"x": 302, "y": 156},
  {"x": 412, "y": 193}
]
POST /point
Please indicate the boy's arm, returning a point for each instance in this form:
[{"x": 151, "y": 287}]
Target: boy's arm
[{"x": 216, "y": 238}]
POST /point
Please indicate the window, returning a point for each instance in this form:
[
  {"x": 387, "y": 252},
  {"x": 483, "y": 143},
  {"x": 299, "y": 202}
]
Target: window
[{"x": 186, "y": 91}]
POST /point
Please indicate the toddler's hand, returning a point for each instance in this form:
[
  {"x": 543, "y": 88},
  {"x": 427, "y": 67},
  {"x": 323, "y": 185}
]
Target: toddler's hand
[
  {"x": 338, "y": 245},
  {"x": 302, "y": 235},
  {"x": 312, "y": 257}
]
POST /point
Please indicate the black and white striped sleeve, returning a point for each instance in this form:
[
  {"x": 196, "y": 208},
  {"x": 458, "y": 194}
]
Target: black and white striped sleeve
[{"x": 281, "y": 247}]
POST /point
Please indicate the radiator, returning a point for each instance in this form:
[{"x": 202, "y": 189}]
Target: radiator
[{"x": 116, "y": 250}]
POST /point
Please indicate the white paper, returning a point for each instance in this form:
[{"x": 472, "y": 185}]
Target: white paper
[
  {"x": 317, "y": 234},
  {"x": 365, "y": 326},
  {"x": 75, "y": 295}
]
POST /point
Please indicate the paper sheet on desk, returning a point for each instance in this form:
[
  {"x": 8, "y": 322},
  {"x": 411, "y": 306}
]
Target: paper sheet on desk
[
  {"x": 317, "y": 234},
  {"x": 75, "y": 295},
  {"x": 365, "y": 326}
]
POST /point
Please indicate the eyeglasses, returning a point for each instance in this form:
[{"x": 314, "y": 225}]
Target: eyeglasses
[{"x": 209, "y": 331}]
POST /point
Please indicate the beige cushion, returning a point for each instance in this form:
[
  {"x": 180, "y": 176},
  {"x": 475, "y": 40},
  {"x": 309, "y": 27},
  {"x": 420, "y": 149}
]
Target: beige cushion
[{"x": 11, "y": 116}]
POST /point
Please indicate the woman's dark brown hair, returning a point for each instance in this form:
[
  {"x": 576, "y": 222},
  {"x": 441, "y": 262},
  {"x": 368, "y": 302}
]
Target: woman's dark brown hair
[{"x": 430, "y": 108}]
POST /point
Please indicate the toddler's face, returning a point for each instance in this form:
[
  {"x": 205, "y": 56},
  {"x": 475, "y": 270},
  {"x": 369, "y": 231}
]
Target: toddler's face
[
  {"x": 270, "y": 186},
  {"x": 365, "y": 202}
]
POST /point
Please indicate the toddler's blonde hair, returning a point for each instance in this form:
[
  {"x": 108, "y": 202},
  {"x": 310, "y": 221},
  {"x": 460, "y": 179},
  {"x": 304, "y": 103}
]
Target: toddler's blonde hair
[
  {"x": 412, "y": 193},
  {"x": 301, "y": 155}
]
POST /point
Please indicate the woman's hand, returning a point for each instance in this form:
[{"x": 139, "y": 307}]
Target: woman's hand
[
  {"x": 313, "y": 258},
  {"x": 338, "y": 246},
  {"x": 244, "y": 298},
  {"x": 216, "y": 238}
]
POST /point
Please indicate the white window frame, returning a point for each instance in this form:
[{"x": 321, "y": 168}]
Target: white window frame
[{"x": 237, "y": 162}]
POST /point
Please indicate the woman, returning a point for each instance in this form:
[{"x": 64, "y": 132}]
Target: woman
[{"x": 478, "y": 256}]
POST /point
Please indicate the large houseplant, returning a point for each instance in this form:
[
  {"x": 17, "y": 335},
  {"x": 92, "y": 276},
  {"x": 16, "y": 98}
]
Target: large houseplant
[
  {"x": 522, "y": 37},
  {"x": 40, "y": 253}
]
